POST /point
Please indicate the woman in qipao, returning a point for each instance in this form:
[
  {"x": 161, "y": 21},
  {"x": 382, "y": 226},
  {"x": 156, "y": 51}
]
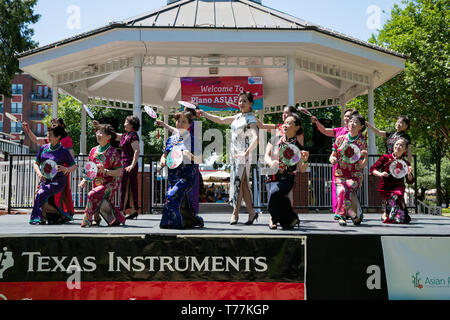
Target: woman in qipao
[
  {"x": 348, "y": 175},
  {"x": 244, "y": 139},
  {"x": 178, "y": 212},
  {"x": 107, "y": 180},
  {"x": 392, "y": 189},
  {"x": 45, "y": 208},
  {"x": 282, "y": 182}
]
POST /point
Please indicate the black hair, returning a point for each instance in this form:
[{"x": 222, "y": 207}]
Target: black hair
[
  {"x": 134, "y": 122},
  {"x": 249, "y": 96},
  {"x": 361, "y": 120},
  {"x": 62, "y": 125},
  {"x": 58, "y": 131},
  {"x": 109, "y": 130},
  {"x": 353, "y": 111},
  {"x": 297, "y": 122},
  {"x": 189, "y": 115},
  {"x": 405, "y": 119},
  {"x": 291, "y": 109}
]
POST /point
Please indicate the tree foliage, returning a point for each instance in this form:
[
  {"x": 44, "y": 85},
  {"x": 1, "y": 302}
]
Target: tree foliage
[
  {"x": 15, "y": 37},
  {"x": 420, "y": 30}
]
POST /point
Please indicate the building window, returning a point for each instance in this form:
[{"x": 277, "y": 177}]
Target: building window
[
  {"x": 16, "y": 107},
  {"x": 16, "y": 127},
  {"x": 17, "y": 88},
  {"x": 1, "y": 126},
  {"x": 1, "y": 107}
]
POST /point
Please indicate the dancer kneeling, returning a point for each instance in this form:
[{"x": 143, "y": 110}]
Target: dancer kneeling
[
  {"x": 348, "y": 175},
  {"x": 52, "y": 179},
  {"x": 392, "y": 188},
  {"x": 178, "y": 212},
  {"x": 281, "y": 183},
  {"x": 101, "y": 197}
]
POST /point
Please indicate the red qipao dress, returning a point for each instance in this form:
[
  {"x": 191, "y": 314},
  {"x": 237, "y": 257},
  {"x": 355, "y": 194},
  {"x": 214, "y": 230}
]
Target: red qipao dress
[
  {"x": 348, "y": 177},
  {"x": 129, "y": 185},
  {"x": 392, "y": 190},
  {"x": 104, "y": 186}
]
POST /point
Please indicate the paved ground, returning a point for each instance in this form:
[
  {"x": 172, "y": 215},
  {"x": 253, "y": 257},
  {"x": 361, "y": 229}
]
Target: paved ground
[{"x": 218, "y": 224}]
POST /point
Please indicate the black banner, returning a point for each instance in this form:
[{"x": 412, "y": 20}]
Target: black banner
[
  {"x": 345, "y": 268},
  {"x": 152, "y": 258}
]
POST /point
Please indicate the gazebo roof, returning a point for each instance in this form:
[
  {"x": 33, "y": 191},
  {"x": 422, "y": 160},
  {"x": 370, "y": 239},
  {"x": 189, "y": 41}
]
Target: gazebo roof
[
  {"x": 215, "y": 14},
  {"x": 188, "y": 38}
]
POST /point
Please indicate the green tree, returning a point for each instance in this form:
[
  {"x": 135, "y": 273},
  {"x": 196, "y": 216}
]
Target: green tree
[
  {"x": 15, "y": 37},
  {"x": 419, "y": 29}
]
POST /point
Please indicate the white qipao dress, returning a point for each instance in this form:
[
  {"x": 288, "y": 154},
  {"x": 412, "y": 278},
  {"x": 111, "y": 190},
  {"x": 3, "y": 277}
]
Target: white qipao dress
[{"x": 241, "y": 138}]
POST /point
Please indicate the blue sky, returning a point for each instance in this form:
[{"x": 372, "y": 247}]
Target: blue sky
[{"x": 357, "y": 18}]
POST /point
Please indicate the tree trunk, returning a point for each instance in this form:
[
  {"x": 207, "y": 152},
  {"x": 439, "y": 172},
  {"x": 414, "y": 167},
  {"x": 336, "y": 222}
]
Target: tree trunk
[{"x": 438, "y": 154}]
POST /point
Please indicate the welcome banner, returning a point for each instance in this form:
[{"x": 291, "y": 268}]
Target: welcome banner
[
  {"x": 417, "y": 268},
  {"x": 213, "y": 93}
]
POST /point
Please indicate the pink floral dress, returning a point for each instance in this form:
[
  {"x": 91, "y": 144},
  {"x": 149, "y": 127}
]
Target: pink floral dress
[
  {"x": 104, "y": 186},
  {"x": 348, "y": 177}
]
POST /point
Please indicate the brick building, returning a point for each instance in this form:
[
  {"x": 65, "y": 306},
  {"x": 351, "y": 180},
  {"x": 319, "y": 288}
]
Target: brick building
[{"x": 31, "y": 101}]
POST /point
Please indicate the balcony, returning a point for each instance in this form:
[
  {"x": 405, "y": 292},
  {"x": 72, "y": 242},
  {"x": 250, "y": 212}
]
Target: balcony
[
  {"x": 36, "y": 116},
  {"x": 39, "y": 97}
]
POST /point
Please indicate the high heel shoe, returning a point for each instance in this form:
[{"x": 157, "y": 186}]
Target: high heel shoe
[
  {"x": 293, "y": 224},
  {"x": 133, "y": 216},
  {"x": 234, "y": 219},
  {"x": 272, "y": 226},
  {"x": 250, "y": 222}
]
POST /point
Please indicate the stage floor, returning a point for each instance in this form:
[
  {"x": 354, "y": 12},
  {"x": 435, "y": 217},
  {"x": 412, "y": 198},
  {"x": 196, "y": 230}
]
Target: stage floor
[{"x": 217, "y": 224}]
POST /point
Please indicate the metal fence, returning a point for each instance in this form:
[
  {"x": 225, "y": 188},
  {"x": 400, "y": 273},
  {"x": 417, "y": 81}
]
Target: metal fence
[
  {"x": 18, "y": 183},
  {"x": 320, "y": 186}
]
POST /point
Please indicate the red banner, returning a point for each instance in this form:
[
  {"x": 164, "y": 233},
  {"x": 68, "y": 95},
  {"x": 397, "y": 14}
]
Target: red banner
[
  {"x": 153, "y": 291},
  {"x": 213, "y": 93}
]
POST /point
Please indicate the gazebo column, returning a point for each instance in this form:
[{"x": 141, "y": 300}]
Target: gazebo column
[
  {"x": 371, "y": 106},
  {"x": 343, "y": 108},
  {"x": 55, "y": 97},
  {"x": 166, "y": 120},
  {"x": 83, "y": 137},
  {"x": 137, "y": 110},
  {"x": 291, "y": 80}
]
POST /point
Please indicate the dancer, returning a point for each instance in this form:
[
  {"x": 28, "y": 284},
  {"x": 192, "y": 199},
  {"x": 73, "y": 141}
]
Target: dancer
[
  {"x": 401, "y": 126},
  {"x": 244, "y": 139},
  {"x": 335, "y": 133},
  {"x": 287, "y": 112},
  {"x": 178, "y": 212},
  {"x": 129, "y": 144},
  {"x": 348, "y": 176},
  {"x": 64, "y": 198},
  {"x": 194, "y": 194},
  {"x": 392, "y": 189},
  {"x": 281, "y": 184},
  {"x": 45, "y": 208},
  {"x": 101, "y": 197}
]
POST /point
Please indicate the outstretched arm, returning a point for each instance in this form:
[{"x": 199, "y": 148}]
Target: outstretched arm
[
  {"x": 378, "y": 132},
  {"x": 32, "y": 136},
  {"x": 264, "y": 126},
  {"x": 162, "y": 124},
  {"x": 326, "y": 131},
  {"x": 217, "y": 119}
]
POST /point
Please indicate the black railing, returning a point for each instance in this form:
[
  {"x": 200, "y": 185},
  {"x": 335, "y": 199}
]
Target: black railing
[{"x": 18, "y": 183}]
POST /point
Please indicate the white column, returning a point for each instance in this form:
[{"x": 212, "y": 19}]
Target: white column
[
  {"x": 371, "y": 106},
  {"x": 343, "y": 108},
  {"x": 83, "y": 137},
  {"x": 137, "y": 110},
  {"x": 166, "y": 120},
  {"x": 291, "y": 81},
  {"x": 55, "y": 98}
]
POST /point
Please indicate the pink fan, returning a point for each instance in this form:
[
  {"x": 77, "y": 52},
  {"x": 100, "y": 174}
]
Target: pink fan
[
  {"x": 188, "y": 105},
  {"x": 150, "y": 112},
  {"x": 305, "y": 111},
  {"x": 232, "y": 105},
  {"x": 90, "y": 171}
]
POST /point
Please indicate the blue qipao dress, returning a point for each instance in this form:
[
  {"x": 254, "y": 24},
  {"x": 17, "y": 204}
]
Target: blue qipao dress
[{"x": 178, "y": 212}]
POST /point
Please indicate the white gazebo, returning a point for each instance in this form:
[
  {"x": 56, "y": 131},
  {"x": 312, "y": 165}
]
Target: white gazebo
[{"x": 139, "y": 61}]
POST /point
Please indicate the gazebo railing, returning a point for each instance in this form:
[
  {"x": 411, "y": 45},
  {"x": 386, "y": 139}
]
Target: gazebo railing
[{"x": 18, "y": 183}]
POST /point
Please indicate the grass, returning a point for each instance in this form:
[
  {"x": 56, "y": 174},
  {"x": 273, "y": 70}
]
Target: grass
[{"x": 446, "y": 212}]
